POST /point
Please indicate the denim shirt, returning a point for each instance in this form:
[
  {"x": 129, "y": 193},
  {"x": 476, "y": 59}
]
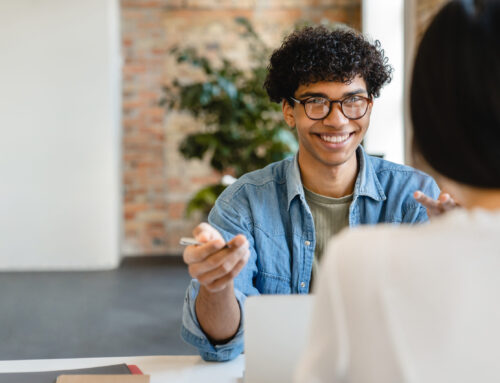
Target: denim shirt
[{"x": 268, "y": 206}]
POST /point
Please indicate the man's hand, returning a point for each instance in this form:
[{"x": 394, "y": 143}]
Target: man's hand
[
  {"x": 215, "y": 264},
  {"x": 437, "y": 207}
]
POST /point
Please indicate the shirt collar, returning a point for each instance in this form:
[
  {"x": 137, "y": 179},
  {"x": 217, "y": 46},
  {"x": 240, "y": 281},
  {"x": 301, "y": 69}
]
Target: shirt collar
[
  {"x": 367, "y": 183},
  {"x": 294, "y": 181}
]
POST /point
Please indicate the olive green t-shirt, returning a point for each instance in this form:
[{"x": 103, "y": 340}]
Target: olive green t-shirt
[{"x": 330, "y": 215}]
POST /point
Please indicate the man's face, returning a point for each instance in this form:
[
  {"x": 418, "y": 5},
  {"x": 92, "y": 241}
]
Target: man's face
[{"x": 332, "y": 141}]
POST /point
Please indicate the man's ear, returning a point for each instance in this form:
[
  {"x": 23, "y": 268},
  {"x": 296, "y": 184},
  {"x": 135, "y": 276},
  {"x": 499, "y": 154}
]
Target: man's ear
[
  {"x": 369, "y": 111},
  {"x": 370, "y": 106},
  {"x": 288, "y": 113}
]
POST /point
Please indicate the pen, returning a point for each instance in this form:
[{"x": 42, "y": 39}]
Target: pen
[{"x": 186, "y": 241}]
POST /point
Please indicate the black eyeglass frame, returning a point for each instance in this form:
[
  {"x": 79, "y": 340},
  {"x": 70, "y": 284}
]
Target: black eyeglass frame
[{"x": 331, "y": 102}]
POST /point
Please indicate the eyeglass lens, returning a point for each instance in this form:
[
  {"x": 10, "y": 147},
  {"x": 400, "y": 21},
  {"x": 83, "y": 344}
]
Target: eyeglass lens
[{"x": 352, "y": 108}]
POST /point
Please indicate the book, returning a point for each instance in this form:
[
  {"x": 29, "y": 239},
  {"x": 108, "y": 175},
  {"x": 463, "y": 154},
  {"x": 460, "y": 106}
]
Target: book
[
  {"x": 103, "y": 379},
  {"x": 51, "y": 376}
]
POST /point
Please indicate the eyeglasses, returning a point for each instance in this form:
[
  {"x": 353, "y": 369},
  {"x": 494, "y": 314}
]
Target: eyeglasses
[{"x": 317, "y": 108}]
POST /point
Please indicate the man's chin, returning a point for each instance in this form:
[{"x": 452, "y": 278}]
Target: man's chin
[{"x": 339, "y": 160}]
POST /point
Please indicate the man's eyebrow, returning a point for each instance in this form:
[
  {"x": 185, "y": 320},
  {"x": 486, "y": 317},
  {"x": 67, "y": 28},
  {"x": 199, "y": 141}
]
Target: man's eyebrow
[
  {"x": 353, "y": 92},
  {"x": 313, "y": 94},
  {"x": 319, "y": 94}
]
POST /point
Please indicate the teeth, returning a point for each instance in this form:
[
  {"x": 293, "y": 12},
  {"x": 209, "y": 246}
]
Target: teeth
[{"x": 334, "y": 139}]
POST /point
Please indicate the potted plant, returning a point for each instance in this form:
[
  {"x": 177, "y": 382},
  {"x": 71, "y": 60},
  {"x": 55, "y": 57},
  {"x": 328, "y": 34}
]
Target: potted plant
[{"x": 243, "y": 130}]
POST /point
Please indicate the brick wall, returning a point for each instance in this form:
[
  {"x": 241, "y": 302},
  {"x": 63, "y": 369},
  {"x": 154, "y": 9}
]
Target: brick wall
[
  {"x": 158, "y": 182},
  {"x": 425, "y": 11}
]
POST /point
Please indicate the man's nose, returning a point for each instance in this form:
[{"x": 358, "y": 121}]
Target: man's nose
[{"x": 335, "y": 118}]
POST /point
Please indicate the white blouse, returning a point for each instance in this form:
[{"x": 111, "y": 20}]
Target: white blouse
[{"x": 409, "y": 304}]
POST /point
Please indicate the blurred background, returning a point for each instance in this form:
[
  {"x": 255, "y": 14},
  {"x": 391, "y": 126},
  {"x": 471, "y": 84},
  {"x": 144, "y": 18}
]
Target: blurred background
[
  {"x": 114, "y": 115},
  {"x": 90, "y": 161}
]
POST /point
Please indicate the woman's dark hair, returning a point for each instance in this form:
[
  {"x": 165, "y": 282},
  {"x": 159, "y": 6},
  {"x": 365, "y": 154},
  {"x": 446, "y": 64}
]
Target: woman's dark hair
[
  {"x": 318, "y": 54},
  {"x": 455, "y": 93}
]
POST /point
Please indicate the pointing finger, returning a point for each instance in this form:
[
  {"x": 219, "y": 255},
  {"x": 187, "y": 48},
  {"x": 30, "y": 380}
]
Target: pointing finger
[{"x": 425, "y": 200}]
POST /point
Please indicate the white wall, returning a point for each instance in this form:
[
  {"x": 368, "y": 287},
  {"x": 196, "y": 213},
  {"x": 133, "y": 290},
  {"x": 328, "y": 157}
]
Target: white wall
[
  {"x": 59, "y": 134},
  {"x": 384, "y": 20}
]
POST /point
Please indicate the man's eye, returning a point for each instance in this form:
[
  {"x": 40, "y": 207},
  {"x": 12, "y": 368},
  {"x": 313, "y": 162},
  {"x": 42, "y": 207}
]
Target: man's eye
[
  {"x": 353, "y": 99},
  {"x": 317, "y": 100}
]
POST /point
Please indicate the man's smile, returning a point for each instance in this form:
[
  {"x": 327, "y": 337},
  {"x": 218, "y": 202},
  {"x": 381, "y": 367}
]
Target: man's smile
[{"x": 338, "y": 138}]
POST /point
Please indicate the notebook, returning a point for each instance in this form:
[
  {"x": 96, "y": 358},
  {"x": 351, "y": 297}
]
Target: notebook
[
  {"x": 103, "y": 379},
  {"x": 51, "y": 376},
  {"x": 276, "y": 330}
]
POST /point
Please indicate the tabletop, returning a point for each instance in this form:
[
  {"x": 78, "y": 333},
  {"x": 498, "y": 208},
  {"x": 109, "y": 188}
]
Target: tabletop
[{"x": 172, "y": 369}]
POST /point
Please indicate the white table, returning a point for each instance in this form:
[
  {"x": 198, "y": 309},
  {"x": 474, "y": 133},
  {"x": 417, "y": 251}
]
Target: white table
[{"x": 171, "y": 369}]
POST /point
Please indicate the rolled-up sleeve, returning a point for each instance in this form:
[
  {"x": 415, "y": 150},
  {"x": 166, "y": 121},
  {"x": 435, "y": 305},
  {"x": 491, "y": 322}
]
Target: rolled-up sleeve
[
  {"x": 229, "y": 223},
  {"x": 192, "y": 333}
]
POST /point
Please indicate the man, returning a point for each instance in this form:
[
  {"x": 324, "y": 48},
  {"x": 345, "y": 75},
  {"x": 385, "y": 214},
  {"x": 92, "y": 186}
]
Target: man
[{"x": 267, "y": 230}]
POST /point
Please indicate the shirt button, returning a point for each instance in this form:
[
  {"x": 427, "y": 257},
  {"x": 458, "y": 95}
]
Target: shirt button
[
  {"x": 302, "y": 284},
  {"x": 307, "y": 243}
]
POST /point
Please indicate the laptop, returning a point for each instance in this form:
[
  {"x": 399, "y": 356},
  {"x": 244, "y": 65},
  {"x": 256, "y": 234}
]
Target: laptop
[{"x": 276, "y": 331}]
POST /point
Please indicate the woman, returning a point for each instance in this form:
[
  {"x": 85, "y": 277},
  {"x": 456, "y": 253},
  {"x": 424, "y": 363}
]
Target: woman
[{"x": 421, "y": 304}]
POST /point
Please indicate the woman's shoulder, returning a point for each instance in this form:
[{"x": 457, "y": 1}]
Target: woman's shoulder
[{"x": 457, "y": 232}]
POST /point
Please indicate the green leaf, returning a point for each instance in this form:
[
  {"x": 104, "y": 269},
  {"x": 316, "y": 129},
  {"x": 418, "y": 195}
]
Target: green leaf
[
  {"x": 244, "y": 130},
  {"x": 204, "y": 199}
]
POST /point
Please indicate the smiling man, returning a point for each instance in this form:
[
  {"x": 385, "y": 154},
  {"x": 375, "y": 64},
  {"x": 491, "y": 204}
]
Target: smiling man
[{"x": 268, "y": 230}]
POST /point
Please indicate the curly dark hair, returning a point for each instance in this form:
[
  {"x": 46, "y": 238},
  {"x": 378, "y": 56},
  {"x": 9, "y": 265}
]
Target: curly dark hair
[{"x": 315, "y": 54}]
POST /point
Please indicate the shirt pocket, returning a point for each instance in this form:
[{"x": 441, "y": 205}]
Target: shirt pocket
[{"x": 273, "y": 284}]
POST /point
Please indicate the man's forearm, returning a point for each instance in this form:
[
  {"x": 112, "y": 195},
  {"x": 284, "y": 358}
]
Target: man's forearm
[{"x": 218, "y": 313}]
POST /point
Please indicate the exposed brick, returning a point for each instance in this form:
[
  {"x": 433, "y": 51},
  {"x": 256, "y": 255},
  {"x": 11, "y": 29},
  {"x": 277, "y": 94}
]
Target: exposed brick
[
  {"x": 209, "y": 179},
  {"x": 153, "y": 217},
  {"x": 132, "y": 104},
  {"x": 176, "y": 210},
  {"x": 135, "y": 207},
  {"x": 157, "y": 181},
  {"x": 174, "y": 184},
  {"x": 146, "y": 3},
  {"x": 425, "y": 11},
  {"x": 209, "y": 4}
]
